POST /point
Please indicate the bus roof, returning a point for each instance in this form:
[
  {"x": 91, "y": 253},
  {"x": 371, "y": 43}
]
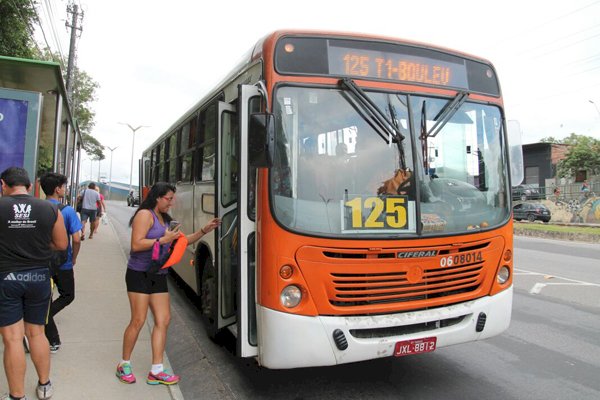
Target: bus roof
[
  {"x": 365, "y": 36},
  {"x": 267, "y": 43}
]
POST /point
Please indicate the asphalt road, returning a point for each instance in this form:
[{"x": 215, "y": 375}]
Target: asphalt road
[{"x": 550, "y": 351}]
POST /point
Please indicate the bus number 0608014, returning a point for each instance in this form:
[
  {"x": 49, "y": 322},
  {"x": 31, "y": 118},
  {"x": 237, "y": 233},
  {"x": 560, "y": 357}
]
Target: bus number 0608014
[{"x": 459, "y": 259}]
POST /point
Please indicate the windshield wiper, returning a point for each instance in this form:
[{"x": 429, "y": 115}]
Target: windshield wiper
[
  {"x": 378, "y": 117},
  {"x": 447, "y": 113}
]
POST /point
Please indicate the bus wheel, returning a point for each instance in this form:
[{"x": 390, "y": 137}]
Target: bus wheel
[{"x": 209, "y": 298}]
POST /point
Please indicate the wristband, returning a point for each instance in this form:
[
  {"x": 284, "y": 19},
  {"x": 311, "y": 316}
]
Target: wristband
[{"x": 202, "y": 230}]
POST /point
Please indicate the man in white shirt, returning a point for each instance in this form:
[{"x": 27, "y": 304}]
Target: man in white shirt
[{"x": 89, "y": 208}]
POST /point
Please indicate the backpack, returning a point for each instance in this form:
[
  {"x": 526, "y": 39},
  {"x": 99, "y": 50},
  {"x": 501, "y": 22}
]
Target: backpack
[
  {"x": 79, "y": 202},
  {"x": 59, "y": 257}
]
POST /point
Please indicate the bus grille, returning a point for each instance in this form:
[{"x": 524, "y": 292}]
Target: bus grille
[{"x": 355, "y": 289}]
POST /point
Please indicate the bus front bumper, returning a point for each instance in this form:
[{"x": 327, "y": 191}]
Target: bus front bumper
[{"x": 294, "y": 341}]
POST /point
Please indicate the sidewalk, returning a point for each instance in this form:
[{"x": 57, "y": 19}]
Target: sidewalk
[{"x": 91, "y": 330}]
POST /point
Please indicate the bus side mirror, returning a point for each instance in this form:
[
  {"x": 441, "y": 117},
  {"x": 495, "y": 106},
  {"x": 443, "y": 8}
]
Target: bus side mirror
[{"x": 261, "y": 140}]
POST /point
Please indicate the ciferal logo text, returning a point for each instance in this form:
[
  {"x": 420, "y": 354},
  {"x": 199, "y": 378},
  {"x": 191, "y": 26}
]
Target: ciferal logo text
[
  {"x": 26, "y": 277},
  {"x": 417, "y": 254}
]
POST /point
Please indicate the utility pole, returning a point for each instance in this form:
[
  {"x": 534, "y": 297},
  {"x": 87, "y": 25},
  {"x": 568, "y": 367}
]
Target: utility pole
[
  {"x": 597, "y": 110},
  {"x": 77, "y": 17}
]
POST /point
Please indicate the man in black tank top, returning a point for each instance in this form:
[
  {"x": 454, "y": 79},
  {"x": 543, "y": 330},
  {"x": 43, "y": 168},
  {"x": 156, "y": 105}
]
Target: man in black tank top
[{"x": 30, "y": 229}]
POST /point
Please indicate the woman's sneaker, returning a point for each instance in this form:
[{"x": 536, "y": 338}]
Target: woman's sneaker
[
  {"x": 45, "y": 391},
  {"x": 162, "y": 378},
  {"x": 124, "y": 373}
]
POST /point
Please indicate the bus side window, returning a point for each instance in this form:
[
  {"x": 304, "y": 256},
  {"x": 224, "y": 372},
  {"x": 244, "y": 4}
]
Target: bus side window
[{"x": 204, "y": 156}]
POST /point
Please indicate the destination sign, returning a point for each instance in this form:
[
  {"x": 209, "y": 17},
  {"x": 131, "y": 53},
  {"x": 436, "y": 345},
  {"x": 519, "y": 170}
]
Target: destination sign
[
  {"x": 393, "y": 66},
  {"x": 384, "y": 61}
]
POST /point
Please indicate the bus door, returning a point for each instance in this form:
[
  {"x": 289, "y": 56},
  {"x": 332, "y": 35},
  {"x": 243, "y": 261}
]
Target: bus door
[
  {"x": 236, "y": 210},
  {"x": 227, "y": 205},
  {"x": 249, "y": 101}
]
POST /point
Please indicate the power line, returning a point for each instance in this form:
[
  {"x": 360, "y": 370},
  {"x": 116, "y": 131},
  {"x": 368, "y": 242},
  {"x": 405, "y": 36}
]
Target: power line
[
  {"x": 584, "y": 60},
  {"x": 51, "y": 18},
  {"x": 566, "y": 45},
  {"x": 48, "y": 22},
  {"x": 556, "y": 94},
  {"x": 526, "y": 31},
  {"x": 558, "y": 39}
]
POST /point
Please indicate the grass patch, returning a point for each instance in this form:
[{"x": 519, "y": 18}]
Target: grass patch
[{"x": 587, "y": 230}]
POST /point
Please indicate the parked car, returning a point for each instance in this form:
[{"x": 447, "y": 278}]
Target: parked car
[
  {"x": 525, "y": 192},
  {"x": 133, "y": 198},
  {"x": 531, "y": 212}
]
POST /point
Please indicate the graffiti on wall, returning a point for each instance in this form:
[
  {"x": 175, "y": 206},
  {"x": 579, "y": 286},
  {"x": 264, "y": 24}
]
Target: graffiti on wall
[{"x": 593, "y": 215}]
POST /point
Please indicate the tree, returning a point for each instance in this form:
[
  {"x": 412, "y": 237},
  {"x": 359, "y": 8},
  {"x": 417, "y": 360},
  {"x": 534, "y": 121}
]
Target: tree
[
  {"x": 17, "y": 18},
  {"x": 16, "y": 28},
  {"x": 583, "y": 155},
  {"x": 84, "y": 94},
  {"x": 550, "y": 139}
]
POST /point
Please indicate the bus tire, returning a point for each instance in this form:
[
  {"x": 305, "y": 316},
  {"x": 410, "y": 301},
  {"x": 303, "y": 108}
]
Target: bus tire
[{"x": 209, "y": 298}]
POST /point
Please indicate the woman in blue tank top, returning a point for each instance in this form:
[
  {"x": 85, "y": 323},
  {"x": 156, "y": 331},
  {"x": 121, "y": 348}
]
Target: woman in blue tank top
[{"x": 149, "y": 290}]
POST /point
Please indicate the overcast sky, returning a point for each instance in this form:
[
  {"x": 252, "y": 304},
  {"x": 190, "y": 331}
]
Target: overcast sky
[{"x": 153, "y": 62}]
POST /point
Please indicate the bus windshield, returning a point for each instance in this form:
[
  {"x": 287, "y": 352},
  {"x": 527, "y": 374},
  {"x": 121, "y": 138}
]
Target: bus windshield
[{"x": 337, "y": 174}]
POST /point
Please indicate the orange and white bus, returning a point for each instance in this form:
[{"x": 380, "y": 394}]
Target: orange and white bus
[{"x": 363, "y": 184}]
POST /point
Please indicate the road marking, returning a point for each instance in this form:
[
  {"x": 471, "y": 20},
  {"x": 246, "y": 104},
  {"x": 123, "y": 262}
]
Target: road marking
[
  {"x": 537, "y": 288},
  {"x": 526, "y": 273}
]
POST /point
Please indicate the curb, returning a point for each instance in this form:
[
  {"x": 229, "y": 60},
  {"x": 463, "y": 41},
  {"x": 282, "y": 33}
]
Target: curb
[{"x": 572, "y": 237}]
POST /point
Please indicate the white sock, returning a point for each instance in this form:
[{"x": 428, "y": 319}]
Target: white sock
[
  {"x": 125, "y": 362},
  {"x": 157, "y": 369}
]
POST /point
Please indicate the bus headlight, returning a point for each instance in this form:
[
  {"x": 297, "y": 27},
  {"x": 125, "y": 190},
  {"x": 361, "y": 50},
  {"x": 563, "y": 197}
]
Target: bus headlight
[
  {"x": 503, "y": 274},
  {"x": 291, "y": 296}
]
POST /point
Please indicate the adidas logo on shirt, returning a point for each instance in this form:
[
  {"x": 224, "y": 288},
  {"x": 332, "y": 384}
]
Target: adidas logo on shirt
[
  {"x": 10, "y": 277},
  {"x": 25, "y": 277}
]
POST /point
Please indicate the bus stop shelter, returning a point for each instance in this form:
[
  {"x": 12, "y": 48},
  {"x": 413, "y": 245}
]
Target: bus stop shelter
[{"x": 37, "y": 128}]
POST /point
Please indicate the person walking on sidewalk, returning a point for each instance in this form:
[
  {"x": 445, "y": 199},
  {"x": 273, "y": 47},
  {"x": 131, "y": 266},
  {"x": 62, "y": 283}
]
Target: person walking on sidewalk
[
  {"x": 89, "y": 209},
  {"x": 30, "y": 230},
  {"x": 54, "y": 186},
  {"x": 101, "y": 207},
  {"x": 145, "y": 289}
]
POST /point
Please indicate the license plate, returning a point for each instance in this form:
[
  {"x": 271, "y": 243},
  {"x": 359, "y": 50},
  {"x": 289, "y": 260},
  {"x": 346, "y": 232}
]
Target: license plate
[{"x": 415, "y": 346}]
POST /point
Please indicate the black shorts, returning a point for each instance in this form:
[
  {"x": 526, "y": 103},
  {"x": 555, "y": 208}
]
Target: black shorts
[
  {"x": 25, "y": 295},
  {"x": 143, "y": 282},
  {"x": 85, "y": 214}
]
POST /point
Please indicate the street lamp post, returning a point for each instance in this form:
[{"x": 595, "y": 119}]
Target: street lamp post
[
  {"x": 133, "y": 130},
  {"x": 110, "y": 170},
  {"x": 595, "y": 106}
]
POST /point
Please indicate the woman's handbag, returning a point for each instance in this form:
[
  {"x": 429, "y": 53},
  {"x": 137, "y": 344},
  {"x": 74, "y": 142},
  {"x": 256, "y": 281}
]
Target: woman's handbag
[{"x": 162, "y": 259}]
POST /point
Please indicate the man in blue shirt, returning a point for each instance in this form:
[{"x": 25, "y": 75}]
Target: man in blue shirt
[{"x": 54, "y": 186}]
